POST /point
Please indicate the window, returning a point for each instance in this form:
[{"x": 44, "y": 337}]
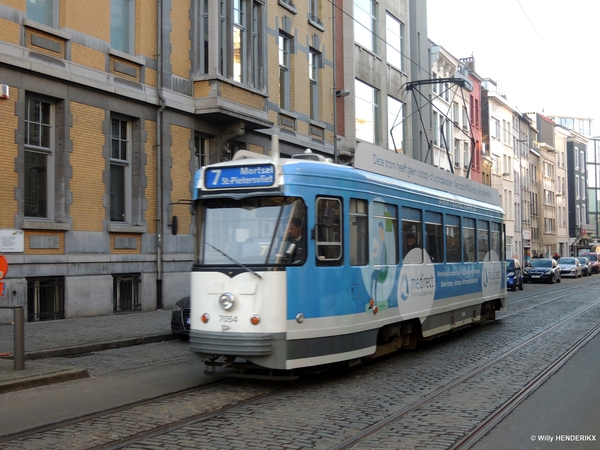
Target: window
[
  {"x": 200, "y": 151},
  {"x": 238, "y": 39},
  {"x": 202, "y": 37},
  {"x": 365, "y": 24},
  {"x": 395, "y": 125},
  {"x": 313, "y": 76},
  {"x": 39, "y": 158},
  {"x": 241, "y": 53},
  {"x": 284, "y": 72},
  {"x": 45, "y": 299},
  {"x": 394, "y": 36},
  {"x": 496, "y": 236},
  {"x": 434, "y": 237},
  {"x": 453, "y": 239},
  {"x": 313, "y": 9},
  {"x": 470, "y": 242},
  {"x": 367, "y": 112},
  {"x": 329, "y": 234},
  {"x": 457, "y": 152},
  {"x": 122, "y": 25},
  {"x": 120, "y": 170},
  {"x": 495, "y": 128},
  {"x": 126, "y": 293},
  {"x": 483, "y": 239},
  {"x": 466, "y": 155},
  {"x": 436, "y": 128},
  {"x": 43, "y": 11},
  {"x": 384, "y": 222},
  {"x": 359, "y": 232},
  {"x": 412, "y": 234}
]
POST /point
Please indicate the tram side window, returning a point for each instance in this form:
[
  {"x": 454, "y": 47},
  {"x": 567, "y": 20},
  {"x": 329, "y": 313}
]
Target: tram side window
[
  {"x": 483, "y": 239},
  {"x": 453, "y": 239},
  {"x": 470, "y": 244},
  {"x": 359, "y": 232},
  {"x": 384, "y": 226},
  {"x": 434, "y": 236},
  {"x": 328, "y": 230},
  {"x": 497, "y": 240},
  {"x": 412, "y": 234}
]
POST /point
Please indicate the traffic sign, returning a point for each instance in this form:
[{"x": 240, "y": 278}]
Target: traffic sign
[{"x": 3, "y": 266}]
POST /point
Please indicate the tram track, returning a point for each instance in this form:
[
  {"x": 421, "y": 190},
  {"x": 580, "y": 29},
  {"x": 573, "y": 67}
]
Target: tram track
[
  {"x": 212, "y": 405},
  {"x": 479, "y": 431}
]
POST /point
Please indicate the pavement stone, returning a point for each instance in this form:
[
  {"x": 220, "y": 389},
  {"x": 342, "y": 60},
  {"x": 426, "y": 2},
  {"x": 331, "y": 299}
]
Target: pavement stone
[{"x": 71, "y": 337}]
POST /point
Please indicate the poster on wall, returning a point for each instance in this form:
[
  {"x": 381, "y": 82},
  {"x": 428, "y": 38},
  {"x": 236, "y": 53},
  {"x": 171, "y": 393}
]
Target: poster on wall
[{"x": 12, "y": 241}]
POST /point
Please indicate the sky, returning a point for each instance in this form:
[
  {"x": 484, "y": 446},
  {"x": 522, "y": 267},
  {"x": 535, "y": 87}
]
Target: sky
[{"x": 542, "y": 53}]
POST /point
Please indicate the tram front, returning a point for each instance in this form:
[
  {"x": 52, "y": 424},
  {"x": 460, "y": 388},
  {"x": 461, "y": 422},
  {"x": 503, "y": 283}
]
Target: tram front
[{"x": 247, "y": 234}]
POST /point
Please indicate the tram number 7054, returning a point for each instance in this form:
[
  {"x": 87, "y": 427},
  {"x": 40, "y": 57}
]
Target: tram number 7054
[{"x": 228, "y": 318}]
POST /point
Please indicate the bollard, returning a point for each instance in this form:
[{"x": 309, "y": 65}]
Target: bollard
[{"x": 19, "y": 337}]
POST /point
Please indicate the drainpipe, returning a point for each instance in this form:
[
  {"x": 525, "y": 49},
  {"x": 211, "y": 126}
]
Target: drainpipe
[{"x": 159, "y": 141}]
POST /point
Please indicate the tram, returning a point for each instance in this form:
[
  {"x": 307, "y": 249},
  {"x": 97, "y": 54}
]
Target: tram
[{"x": 299, "y": 262}]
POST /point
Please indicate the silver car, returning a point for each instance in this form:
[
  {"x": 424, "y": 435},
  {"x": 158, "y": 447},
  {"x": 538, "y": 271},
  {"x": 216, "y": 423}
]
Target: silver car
[
  {"x": 570, "y": 267},
  {"x": 586, "y": 265}
]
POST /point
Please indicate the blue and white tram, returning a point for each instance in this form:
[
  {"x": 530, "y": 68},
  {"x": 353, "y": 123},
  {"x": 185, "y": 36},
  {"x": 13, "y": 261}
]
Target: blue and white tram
[{"x": 302, "y": 262}]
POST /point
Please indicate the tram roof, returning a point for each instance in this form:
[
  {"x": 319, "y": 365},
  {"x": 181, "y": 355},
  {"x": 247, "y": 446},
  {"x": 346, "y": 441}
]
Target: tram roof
[{"x": 381, "y": 167}]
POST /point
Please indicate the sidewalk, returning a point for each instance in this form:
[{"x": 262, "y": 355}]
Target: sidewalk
[{"x": 71, "y": 337}]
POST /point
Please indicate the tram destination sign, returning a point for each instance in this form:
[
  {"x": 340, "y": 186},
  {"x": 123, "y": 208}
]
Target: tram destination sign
[{"x": 249, "y": 176}]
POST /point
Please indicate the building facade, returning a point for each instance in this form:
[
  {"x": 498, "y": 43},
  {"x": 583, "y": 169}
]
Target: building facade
[{"x": 107, "y": 116}]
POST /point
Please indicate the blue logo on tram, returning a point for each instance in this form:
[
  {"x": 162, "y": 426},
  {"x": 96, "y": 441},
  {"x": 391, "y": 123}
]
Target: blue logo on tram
[{"x": 262, "y": 175}]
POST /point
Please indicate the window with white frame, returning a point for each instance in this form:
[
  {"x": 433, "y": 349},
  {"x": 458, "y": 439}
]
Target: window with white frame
[
  {"x": 43, "y": 11},
  {"x": 577, "y": 186},
  {"x": 365, "y": 24},
  {"x": 436, "y": 128},
  {"x": 120, "y": 169},
  {"x": 466, "y": 154},
  {"x": 241, "y": 53},
  {"x": 496, "y": 164},
  {"x": 284, "y": 72},
  {"x": 313, "y": 77},
  {"x": 395, "y": 125},
  {"x": 455, "y": 114},
  {"x": 367, "y": 112},
  {"x": 238, "y": 39},
  {"x": 495, "y": 128},
  {"x": 39, "y": 158},
  {"x": 122, "y": 25},
  {"x": 394, "y": 36},
  {"x": 457, "y": 143}
]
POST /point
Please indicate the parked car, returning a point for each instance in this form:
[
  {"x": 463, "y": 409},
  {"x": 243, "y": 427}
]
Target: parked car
[
  {"x": 594, "y": 260},
  {"x": 514, "y": 274},
  {"x": 586, "y": 266},
  {"x": 570, "y": 267},
  {"x": 542, "y": 269},
  {"x": 180, "y": 318}
]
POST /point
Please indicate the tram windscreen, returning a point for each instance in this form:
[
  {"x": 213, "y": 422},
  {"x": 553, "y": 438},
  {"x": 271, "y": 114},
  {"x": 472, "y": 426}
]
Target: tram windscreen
[{"x": 250, "y": 231}]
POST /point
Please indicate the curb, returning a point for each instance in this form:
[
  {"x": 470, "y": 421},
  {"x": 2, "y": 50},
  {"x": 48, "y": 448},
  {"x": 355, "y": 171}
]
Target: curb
[
  {"x": 43, "y": 380},
  {"x": 96, "y": 347}
]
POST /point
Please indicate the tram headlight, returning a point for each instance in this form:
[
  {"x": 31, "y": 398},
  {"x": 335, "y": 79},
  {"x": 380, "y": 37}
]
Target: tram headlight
[{"x": 227, "y": 301}]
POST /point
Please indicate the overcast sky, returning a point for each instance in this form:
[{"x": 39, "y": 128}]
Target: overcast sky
[{"x": 543, "y": 53}]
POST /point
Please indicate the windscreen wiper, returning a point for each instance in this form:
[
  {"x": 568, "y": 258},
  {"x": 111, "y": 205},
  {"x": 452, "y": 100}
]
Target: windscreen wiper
[{"x": 233, "y": 260}]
